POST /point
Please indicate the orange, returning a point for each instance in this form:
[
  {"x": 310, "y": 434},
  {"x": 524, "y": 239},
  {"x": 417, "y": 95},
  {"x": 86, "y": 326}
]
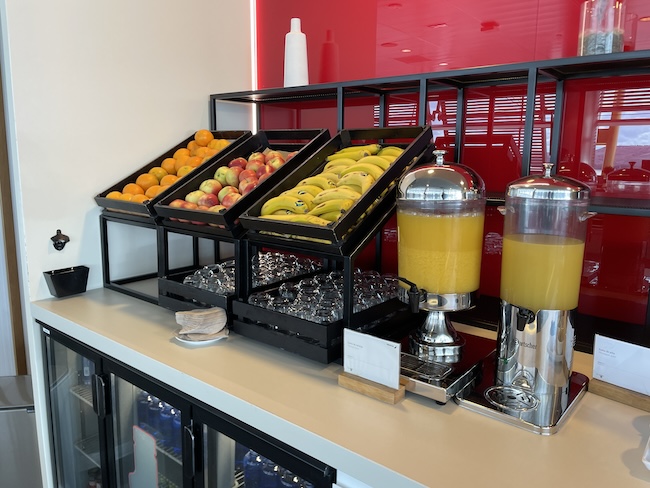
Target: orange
[
  {"x": 132, "y": 189},
  {"x": 201, "y": 152},
  {"x": 218, "y": 144},
  {"x": 169, "y": 165},
  {"x": 192, "y": 146},
  {"x": 146, "y": 181},
  {"x": 203, "y": 137},
  {"x": 183, "y": 151},
  {"x": 183, "y": 170},
  {"x": 181, "y": 161},
  {"x": 168, "y": 180},
  {"x": 126, "y": 196},
  {"x": 193, "y": 161},
  {"x": 139, "y": 198},
  {"x": 115, "y": 195},
  {"x": 210, "y": 152},
  {"x": 163, "y": 188},
  {"x": 158, "y": 172},
  {"x": 152, "y": 191}
]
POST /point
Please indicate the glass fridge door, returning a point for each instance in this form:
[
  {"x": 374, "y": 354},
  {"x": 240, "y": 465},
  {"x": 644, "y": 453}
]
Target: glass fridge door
[
  {"x": 146, "y": 436},
  {"x": 236, "y": 455},
  {"x": 74, "y": 418}
]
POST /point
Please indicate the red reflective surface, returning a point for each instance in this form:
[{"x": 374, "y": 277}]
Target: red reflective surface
[{"x": 374, "y": 39}]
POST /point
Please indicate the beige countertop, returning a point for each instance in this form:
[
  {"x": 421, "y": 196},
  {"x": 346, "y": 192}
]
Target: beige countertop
[{"x": 414, "y": 443}]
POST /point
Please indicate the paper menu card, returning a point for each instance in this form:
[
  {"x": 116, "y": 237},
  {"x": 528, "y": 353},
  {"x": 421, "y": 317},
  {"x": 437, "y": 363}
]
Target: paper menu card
[
  {"x": 622, "y": 364},
  {"x": 371, "y": 358}
]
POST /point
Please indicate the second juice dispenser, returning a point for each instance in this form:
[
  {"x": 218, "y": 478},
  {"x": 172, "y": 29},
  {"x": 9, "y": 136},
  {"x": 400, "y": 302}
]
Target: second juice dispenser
[{"x": 543, "y": 245}]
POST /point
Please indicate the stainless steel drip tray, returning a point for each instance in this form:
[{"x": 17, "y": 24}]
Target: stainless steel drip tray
[
  {"x": 485, "y": 397},
  {"x": 441, "y": 381}
]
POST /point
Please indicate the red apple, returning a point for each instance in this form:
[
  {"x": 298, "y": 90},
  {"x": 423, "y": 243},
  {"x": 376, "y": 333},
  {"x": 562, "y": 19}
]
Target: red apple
[
  {"x": 225, "y": 190},
  {"x": 188, "y": 206},
  {"x": 208, "y": 200},
  {"x": 257, "y": 156},
  {"x": 271, "y": 154},
  {"x": 247, "y": 185},
  {"x": 290, "y": 155},
  {"x": 264, "y": 170},
  {"x": 211, "y": 186},
  {"x": 254, "y": 165},
  {"x": 216, "y": 208},
  {"x": 232, "y": 176},
  {"x": 230, "y": 199},
  {"x": 276, "y": 162},
  {"x": 247, "y": 173},
  {"x": 263, "y": 177},
  {"x": 194, "y": 196},
  {"x": 241, "y": 162},
  {"x": 220, "y": 175},
  {"x": 178, "y": 203}
]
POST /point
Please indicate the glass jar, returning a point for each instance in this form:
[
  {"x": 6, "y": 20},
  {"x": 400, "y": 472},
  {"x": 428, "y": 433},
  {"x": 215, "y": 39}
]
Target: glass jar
[{"x": 602, "y": 24}]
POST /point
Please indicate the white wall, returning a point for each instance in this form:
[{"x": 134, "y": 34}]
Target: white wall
[{"x": 93, "y": 91}]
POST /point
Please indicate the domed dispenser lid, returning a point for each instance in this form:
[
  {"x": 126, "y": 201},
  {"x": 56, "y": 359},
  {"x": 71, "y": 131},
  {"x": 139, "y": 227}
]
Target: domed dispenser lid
[
  {"x": 441, "y": 182},
  {"x": 548, "y": 187}
]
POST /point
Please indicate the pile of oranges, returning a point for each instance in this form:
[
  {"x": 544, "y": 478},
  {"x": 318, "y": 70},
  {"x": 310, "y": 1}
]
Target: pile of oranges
[{"x": 158, "y": 179}]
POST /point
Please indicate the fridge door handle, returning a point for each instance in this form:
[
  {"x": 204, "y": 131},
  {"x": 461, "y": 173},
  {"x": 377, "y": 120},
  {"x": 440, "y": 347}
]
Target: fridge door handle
[
  {"x": 99, "y": 395},
  {"x": 189, "y": 443}
]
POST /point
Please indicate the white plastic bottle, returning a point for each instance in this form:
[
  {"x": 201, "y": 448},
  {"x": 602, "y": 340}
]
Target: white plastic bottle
[{"x": 296, "y": 71}]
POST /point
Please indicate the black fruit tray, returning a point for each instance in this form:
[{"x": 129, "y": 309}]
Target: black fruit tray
[
  {"x": 416, "y": 142},
  {"x": 146, "y": 208},
  {"x": 226, "y": 223}
]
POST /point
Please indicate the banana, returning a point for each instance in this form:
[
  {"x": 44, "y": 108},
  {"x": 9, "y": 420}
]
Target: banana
[
  {"x": 356, "y": 155},
  {"x": 391, "y": 151},
  {"x": 341, "y": 205},
  {"x": 332, "y": 216},
  {"x": 317, "y": 180},
  {"x": 339, "y": 162},
  {"x": 376, "y": 160},
  {"x": 371, "y": 148},
  {"x": 351, "y": 187},
  {"x": 337, "y": 169},
  {"x": 300, "y": 218},
  {"x": 336, "y": 194},
  {"x": 359, "y": 178},
  {"x": 284, "y": 202},
  {"x": 388, "y": 157},
  {"x": 304, "y": 195},
  {"x": 313, "y": 189},
  {"x": 333, "y": 177},
  {"x": 369, "y": 168}
]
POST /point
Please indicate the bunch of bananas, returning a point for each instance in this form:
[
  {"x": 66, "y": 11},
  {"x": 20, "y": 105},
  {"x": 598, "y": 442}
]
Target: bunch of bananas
[{"x": 323, "y": 198}]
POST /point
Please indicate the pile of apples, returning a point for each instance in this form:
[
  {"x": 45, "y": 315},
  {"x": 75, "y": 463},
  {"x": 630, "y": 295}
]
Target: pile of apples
[{"x": 232, "y": 182}]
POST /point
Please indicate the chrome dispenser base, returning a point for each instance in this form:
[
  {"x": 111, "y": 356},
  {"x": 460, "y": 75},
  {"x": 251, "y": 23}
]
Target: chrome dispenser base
[
  {"x": 436, "y": 339},
  {"x": 489, "y": 399}
]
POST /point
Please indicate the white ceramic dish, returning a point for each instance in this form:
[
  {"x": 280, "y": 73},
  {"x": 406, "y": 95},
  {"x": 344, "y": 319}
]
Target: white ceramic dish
[{"x": 193, "y": 343}]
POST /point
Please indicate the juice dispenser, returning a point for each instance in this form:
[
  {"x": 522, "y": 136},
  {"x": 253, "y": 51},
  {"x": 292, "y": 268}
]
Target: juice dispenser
[
  {"x": 543, "y": 246},
  {"x": 440, "y": 215}
]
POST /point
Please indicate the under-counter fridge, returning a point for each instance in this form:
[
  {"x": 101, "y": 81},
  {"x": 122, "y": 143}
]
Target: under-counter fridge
[{"x": 113, "y": 426}]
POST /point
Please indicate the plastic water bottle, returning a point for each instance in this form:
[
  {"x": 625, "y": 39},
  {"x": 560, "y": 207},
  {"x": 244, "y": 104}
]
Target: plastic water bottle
[
  {"x": 252, "y": 469},
  {"x": 270, "y": 474},
  {"x": 166, "y": 425},
  {"x": 176, "y": 433},
  {"x": 142, "y": 408},
  {"x": 154, "y": 416},
  {"x": 289, "y": 480}
]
